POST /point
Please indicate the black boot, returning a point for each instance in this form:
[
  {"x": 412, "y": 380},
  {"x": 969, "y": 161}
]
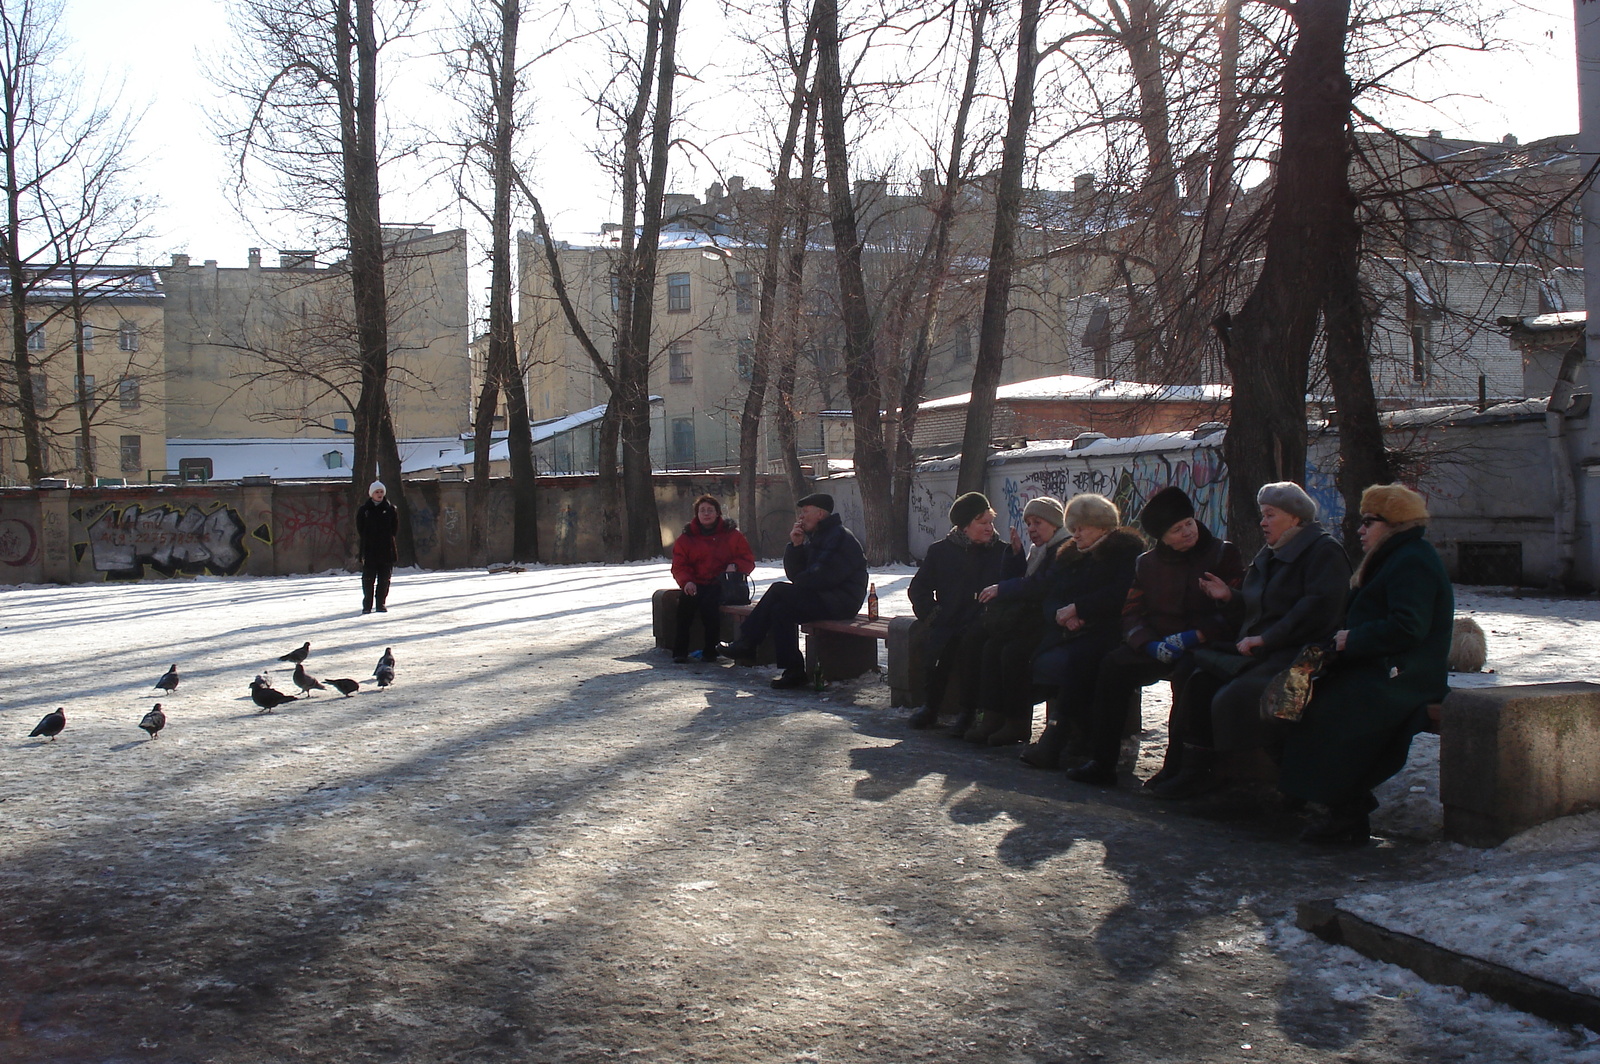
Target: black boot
[
  {"x": 926, "y": 717},
  {"x": 1046, "y": 752},
  {"x": 1345, "y": 823},
  {"x": 1171, "y": 765},
  {"x": 958, "y": 729},
  {"x": 1199, "y": 775}
]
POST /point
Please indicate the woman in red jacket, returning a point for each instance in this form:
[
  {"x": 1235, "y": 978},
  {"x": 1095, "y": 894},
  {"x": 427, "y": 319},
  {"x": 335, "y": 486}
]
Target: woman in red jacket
[{"x": 709, "y": 546}]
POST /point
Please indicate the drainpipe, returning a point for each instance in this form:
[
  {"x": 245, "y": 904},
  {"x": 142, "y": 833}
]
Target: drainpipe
[{"x": 1566, "y": 490}]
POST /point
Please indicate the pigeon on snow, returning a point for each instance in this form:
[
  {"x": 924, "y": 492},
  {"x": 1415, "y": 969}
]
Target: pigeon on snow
[
  {"x": 384, "y": 671},
  {"x": 298, "y": 654},
  {"x": 154, "y": 720},
  {"x": 305, "y": 681},
  {"x": 266, "y": 696},
  {"x": 169, "y": 681},
  {"x": 345, "y": 687},
  {"x": 51, "y": 725}
]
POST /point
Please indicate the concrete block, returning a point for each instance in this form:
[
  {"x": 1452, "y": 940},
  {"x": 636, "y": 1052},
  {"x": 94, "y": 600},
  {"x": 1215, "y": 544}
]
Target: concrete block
[
  {"x": 664, "y": 623},
  {"x": 907, "y": 671},
  {"x": 843, "y": 656},
  {"x": 1514, "y": 757}
]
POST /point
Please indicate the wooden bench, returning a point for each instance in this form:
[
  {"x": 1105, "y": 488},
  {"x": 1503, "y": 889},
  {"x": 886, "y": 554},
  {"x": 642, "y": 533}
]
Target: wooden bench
[{"x": 844, "y": 649}]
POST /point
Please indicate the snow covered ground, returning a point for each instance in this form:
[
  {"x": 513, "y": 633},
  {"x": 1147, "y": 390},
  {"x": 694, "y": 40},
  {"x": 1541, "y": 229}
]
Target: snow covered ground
[{"x": 475, "y": 650}]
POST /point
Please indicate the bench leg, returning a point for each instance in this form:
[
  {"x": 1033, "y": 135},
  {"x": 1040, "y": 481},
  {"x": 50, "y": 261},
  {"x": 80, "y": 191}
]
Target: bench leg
[{"x": 842, "y": 657}]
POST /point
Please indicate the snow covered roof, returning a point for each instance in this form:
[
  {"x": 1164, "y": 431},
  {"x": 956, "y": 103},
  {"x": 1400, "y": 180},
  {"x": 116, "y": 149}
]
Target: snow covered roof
[
  {"x": 1071, "y": 386},
  {"x": 1569, "y": 319},
  {"x": 100, "y": 282},
  {"x": 314, "y": 458}
]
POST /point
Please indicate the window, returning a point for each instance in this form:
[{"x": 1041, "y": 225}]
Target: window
[
  {"x": 86, "y": 331},
  {"x": 1421, "y": 351},
  {"x": 36, "y": 336},
  {"x": 961, "y": 342},
  {"x": 82, "y": 458},
  {"x": 128, "y": 393},
  {"x": 616, "y": 293},
  {"x": 132, "y": 455},
  {"x": 677, "y": 293},
  {"x": 194, "y": 469},
  {"x": 682, "y": 441},
  {"x": 746, "y": 359},
  {"x": 817, "y": 303},
  {"x": 680, "y": 362},
  {"x": 41, "y": 388},
  {"x": 744, "y": 292},
  {"x": 341, "y": 424},
  {"x": 85, "y": 387},
  {"x": 333, "y": 459},
  {"x": 128, "y": 337}
]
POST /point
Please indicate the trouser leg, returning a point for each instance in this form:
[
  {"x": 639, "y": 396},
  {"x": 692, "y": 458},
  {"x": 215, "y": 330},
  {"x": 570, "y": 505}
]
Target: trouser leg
[
  {"x": 380, "y": 594},
  {"x": 368, "y": 575},
  {"x": 688, "y": 610},
  {"x": 1122, "y": 673},
  {"x": 709, "y": 603}
]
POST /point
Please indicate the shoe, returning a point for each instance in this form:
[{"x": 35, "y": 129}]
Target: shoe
[
  {"x": 958, "y": 728},
  {"x": 1041, "y": 756},
  {"x": 680, "y": 659},
  {"x": 366, "y": 610},
  {"x": 1014, "y": 730},
  {"x": 735, "y": 650},
  {"x": 1094, "y": 773},
  {"x": 1171, "y": 765},
  {"x": 711, "y": 655},
  {"x": 1199, "y": 775},
  {"x": 986, "y": 724},
  {"x": 790, "y": 679},
  {"x": 1338, "y": 829},
  {"x": 926, "y": 717},
  {"x": 383, "y": 609}
]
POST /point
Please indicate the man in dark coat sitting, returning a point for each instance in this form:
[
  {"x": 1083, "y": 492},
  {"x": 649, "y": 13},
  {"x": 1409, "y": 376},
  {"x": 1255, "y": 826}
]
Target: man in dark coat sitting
[{"x": 827, "y": 572}]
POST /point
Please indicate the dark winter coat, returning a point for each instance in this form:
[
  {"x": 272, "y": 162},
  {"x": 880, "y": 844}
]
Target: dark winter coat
[
  {"x": 1165, "y": 596},
  {"x": 1013, "y": 613},
  {"x": 701, "y": 555},
  {"x": 831, "y": 566},
  {"x": 376, "y": 526},
  {"x": 944, "y": 591},
  {"x": 1293, "y": 596},
  {"x": 1364, "y": 711},
  {"x": 1096, "y": 581}
]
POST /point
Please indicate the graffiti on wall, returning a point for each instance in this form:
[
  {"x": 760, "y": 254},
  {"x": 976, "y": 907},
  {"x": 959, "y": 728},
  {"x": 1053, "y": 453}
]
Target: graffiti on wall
[
  {"x": 315, "y": 525},
  {"x": 19, "y": 542},
  {"x": 1129, "y": 481},
  {"x": 170, "y": 540}
]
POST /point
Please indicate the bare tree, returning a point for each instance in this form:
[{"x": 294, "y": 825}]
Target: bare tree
[{"x": 308, "y": 77}]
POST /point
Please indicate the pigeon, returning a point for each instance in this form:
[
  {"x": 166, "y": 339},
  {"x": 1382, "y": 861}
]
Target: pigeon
[
  {"x": 51, "y": 725},
  {"x": 384, "y": 671},
  {"x": 298, "y": 654},
  {"x": 345, "y": 687},
  {"x": 266, "y": 696},
  {"x": 168, "y": 682},
  {"x": 154, "y": 721},
  {"x": 305, "y": 681}
]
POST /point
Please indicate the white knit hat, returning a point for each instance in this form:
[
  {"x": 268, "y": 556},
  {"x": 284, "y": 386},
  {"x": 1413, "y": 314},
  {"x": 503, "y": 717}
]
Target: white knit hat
[{"x": 377, "y": 485}]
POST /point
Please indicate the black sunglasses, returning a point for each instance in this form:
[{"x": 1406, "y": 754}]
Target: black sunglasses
[{"x": 1368, "y": 520}]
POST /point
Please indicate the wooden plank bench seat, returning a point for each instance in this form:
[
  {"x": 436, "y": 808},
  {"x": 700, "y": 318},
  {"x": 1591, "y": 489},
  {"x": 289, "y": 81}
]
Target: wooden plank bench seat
[{"x": 844, "y": 649}]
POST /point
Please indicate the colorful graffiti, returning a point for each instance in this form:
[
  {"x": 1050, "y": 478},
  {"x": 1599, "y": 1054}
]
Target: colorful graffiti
[
  {"x": 170, "y": 540},
  {"x": 1128, "y": 481},
  {"x": 19, "y": 542}
]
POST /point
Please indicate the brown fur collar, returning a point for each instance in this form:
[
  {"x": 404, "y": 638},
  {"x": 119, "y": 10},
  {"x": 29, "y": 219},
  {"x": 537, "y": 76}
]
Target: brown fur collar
[{"x": 1119, "y": 542}]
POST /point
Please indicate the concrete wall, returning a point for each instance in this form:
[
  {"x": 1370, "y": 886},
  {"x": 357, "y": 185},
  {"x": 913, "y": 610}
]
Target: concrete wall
[{"x": 177, "y": 531}]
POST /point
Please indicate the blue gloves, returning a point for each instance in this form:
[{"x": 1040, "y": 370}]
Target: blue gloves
[{"x": 1171, "y": 648}]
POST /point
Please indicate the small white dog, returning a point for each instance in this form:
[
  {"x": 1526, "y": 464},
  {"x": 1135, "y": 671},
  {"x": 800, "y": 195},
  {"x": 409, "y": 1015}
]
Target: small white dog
[{"x": 1469, "y": 650}]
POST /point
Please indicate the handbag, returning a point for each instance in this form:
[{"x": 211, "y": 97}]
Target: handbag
[
  {"x": 735, "y": 588},
  {"x": 1288, "y": 693}
]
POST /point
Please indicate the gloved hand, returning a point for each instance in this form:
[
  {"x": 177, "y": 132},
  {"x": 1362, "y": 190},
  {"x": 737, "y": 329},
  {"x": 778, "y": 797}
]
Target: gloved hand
[{"x": 1171, "y": 648}]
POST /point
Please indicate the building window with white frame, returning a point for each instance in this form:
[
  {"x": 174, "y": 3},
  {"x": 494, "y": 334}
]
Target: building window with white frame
[
  {"x": 680, "y": 362},
  {"x": 85, "y": 387},
  {"x": 677, "y": 293},
  {"x": 128, "y": 337},
  {"x": 745, "y": 359},
  {"x": 132, "y": 454},
  {"x": 128, "y": 393},
  {"x": 744, "y": 292},
  {"x": 86, "y": 334},
  {"x": 35, "y": 336}
]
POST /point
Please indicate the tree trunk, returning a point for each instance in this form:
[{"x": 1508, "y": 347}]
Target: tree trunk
[
  {"x": 861, "y": 364},
  {"x": 1363, "y": 459},
  {"x": 1269, "y": 341},
  {"x": 1002, "y": 260},
  {"x": 936, "y": 267},
  {"x": 766, "y": 321}
]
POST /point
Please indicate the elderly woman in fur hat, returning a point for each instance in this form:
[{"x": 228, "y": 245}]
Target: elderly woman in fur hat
[
  {"x": 1293, "y": 594},
  {"x": 944, "y": 593},
  {"x": 1391, "y": 660}
]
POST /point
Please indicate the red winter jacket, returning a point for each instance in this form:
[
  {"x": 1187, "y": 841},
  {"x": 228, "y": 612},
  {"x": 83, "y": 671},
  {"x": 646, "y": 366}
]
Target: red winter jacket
[{"x": 698, "y": 555}]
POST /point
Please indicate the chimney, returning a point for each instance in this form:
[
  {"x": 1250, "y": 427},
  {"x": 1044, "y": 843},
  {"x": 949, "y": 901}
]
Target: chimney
[
  {"x": 735, "y": 185},
  {"x": 255, "y": 258},
  {"x": 1083, "y": 184},
  {"x": 180, "y": 261}
]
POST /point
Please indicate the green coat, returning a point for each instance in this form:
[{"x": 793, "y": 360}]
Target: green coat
[{"x": 1357, "y": 730}]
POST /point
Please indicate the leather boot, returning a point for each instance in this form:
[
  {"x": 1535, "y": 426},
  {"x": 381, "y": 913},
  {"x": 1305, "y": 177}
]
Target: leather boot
[
  {"x": 964, "y": 720},
  {"x": 987, "y": 723},
  {"x": 1199, "y": 775},
  {"x": 926, "y": 717},
  {"x": 1046, "y": 752},
  {"x": 1171, "y": 765},
  {"x": 1014, "y": 729}
]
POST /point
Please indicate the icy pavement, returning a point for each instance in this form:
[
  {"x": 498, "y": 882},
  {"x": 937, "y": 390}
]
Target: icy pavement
[{"x": 401, "y": 860}]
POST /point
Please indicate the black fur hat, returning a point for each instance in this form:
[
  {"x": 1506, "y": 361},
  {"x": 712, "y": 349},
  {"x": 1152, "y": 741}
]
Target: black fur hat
[
  {"x": 1163, "y": 510},
  {"x": 968, "y": 508}
]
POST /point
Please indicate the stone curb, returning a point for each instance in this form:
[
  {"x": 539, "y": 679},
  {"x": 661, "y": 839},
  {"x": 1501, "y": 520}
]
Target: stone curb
[{"x": 1436, "y": 964}]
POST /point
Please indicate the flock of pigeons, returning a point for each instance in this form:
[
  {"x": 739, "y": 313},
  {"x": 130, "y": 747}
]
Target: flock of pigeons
[{"x": 262, "y": 693}]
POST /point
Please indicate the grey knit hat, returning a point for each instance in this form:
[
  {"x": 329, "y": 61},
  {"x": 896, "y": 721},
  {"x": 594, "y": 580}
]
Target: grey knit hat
[
  {"x": 1289, "y": 497},
  {"x": 1047, "y": 508}
]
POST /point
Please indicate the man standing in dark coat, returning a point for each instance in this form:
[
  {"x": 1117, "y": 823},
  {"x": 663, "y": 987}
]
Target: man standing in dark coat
[
  {"x": 377, "y": 521},
  {"x": 827, "y": 572}
]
